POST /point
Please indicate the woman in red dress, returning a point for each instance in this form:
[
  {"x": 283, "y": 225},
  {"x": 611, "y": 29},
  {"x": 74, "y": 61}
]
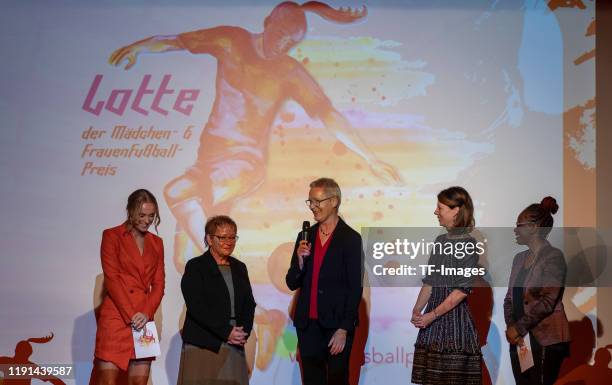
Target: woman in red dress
[{"x": 133, "y": 266}]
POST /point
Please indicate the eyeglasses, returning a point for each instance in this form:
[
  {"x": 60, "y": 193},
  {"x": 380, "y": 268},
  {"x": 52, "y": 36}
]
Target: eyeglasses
[
  {"x": 228, "y": 239},
  {"x": 315, "y": 202},
  {"x": 521, "y": 224}
]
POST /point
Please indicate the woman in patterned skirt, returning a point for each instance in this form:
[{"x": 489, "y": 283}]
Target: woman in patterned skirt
[{"x": 447, "y": 350}]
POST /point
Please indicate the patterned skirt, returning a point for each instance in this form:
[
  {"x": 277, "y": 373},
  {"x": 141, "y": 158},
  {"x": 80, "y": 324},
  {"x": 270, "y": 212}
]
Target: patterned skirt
[
  {"x": 436, "y": 368},
  {"x": 447, "y": 351}
]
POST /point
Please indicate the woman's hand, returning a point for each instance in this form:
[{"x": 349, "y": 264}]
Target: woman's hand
[
  {"x": 416, "y": 317},
  {"x": 237, "y": 336},
  {"x": 337, "y": 342},
  {"x": 303, "y": 251},
  {"x": 425, "y": 320},
  {"x": 139, "y": 320},
  {"x": 513, "y": 336}
]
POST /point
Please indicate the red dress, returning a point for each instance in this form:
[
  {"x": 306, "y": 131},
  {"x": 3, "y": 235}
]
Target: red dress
[{"x": 134, "y": 283}]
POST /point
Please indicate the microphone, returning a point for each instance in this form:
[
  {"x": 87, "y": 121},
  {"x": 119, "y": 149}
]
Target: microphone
[
  {"x": 305, "y": 228},
  {"x": 304, "y": 237}
]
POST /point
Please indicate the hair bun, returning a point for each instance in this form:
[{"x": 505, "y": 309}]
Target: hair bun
[{"x": 550, "y": 204}]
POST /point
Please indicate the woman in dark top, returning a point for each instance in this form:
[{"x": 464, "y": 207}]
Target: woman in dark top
[
  {"x": 533, "y": 305},
  {"x": 220, "y": 311},
  {"x": 447, "y": 350}
]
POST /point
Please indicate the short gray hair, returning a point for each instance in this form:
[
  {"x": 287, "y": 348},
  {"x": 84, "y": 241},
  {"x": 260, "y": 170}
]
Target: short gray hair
[{"x": 330, "y": 186}]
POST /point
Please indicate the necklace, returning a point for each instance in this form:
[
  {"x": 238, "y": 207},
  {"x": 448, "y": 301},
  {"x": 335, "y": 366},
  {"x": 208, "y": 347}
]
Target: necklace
[
  {"x": 326, "y": 233},
  {"x": 331, "y": 230}
]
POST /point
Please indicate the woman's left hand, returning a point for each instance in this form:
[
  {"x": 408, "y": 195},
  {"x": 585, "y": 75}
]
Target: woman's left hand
[
  {"x": 425, "y": 320},
  {"x": 513, "y": 336}
]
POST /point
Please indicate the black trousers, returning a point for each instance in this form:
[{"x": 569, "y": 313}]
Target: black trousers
[
  {"x": 547, "y": 362},
  {"x": 319, "y": 367}
]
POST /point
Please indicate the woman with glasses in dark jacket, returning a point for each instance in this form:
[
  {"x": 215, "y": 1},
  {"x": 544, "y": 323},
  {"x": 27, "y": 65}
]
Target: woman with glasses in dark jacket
[{"x": 220, "y": 311}]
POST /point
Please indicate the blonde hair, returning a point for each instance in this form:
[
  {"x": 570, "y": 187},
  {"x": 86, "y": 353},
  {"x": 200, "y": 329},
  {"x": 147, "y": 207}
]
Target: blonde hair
[{"x": 134, "y": 205}]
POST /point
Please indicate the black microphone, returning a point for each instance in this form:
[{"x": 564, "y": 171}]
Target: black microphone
[
  {"x": 304, "y": 237},
  {"x": 305, "y": 228}
]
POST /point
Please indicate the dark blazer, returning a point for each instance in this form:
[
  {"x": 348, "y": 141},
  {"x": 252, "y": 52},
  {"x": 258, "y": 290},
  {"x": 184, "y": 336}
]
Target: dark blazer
[
  {"x": 340, "y": 280},
  {"x": 207, "y": 322},
  {"x": 542, "y": 298}
]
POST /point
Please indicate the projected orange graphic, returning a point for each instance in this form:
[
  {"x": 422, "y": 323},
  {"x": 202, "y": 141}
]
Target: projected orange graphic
[
  {"x": 255, "y": 76},
  {"x": 23, "y": 351}
]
